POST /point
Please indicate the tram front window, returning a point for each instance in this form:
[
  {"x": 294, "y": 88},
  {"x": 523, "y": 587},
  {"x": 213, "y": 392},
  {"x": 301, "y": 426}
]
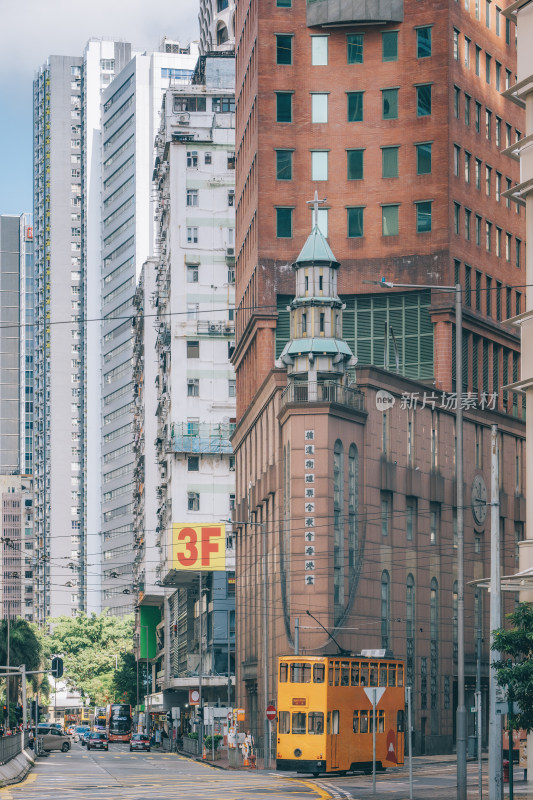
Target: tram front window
[
  {"x": 284, "y": 722},
  {"x": 298, "y": 722},
  {"x": 316, "y": 723},
  {"x": 300, "y": 673}
]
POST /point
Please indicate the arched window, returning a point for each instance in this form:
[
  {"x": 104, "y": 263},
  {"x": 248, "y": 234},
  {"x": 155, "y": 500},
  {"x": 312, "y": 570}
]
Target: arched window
[
  {"x": 338, "y": 528},
  {"x": 222, "y": 34},
  {"x": 385, "y": 609},
  {"x": 353, "y": 506}
]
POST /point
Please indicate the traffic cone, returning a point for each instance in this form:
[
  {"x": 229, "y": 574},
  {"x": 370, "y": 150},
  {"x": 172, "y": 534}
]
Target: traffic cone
[{"x": 204, "y": 754}]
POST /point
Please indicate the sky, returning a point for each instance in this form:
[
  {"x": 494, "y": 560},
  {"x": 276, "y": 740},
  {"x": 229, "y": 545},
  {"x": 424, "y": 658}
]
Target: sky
[{"x": 30, "y": 32}]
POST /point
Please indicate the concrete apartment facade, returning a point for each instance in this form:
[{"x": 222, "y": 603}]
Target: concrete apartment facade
[
  {"x": 216, "y": 19},
  {"x": 187, "y": 618},
  {"x": 395, "y": 115}
]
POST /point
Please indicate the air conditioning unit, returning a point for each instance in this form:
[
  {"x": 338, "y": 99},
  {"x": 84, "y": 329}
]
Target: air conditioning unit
[
  {"x": 214, "y": 327},
  {"x": 230, "y": 252},
  {"x": 183, "y": 119}
]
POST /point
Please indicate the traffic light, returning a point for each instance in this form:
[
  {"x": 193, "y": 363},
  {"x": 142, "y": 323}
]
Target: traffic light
[
  {"x": 18, "y": 712},
  {"x": 57, "y": 667},
  {"x": 200, "y": 712},
  {"x": 33, "y": 709},
  {"x": 4, "y": 709},
  {"x": 169, "y": 715}
]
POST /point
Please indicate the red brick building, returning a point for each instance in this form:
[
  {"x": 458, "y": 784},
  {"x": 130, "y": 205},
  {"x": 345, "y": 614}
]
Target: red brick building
[{"x": 397, "y": 119}]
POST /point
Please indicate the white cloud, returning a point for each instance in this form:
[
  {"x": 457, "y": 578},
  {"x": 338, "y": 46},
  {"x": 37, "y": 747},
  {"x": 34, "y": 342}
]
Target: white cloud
[{"x": 39, "y": 28}]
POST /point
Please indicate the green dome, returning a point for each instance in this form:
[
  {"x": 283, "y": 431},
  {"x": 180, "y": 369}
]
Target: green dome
[{"x": 316, "y": 250}]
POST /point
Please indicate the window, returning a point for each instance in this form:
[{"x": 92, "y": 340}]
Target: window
[
  {"x": 508, "y": 239},
  {"x": 319, "y": 107},
  {"x": 423, "y": 158},
  {"x": 231, "y": 198},
  {"x": 487, "y": 13},
  {"x": 319, "y": 51},
  {"x": 488, "y": 60},
  {"x": 389, "y": 220},
  {"x": 385, "y": 609},
  {"x": 284, "y": 165},
  {"x": 192, "y": 158},
  {"x": 283, "y": 106},
  {"x": 354, "y": 45},
  {"x": 518, "y": 254},
  {"x": 498, "y": 132},
  {"x": 478, "y": 60},
  {"x": 389, "y": 45},
  {"x": 389, "y": 103},
  {"x": 355, "y": 164},
  {"x": 507, "y": 31},
  {"x": 284, "y": 3},
  {"x": 355, "y": 106},
  {"x": 284, "y": 223},
  {"x": 467, "y": 52},
  {"x": 423, "y": 100},
  {"x": 488, "y": 179},
  {"x": 456, "y": 157},
  {"x": 283, "y": 48},
  {"x": 507, "y": 78},
  {"x": 478, "y": 174},
  {"x": 455, "y": 44},
  {"x": 389, "y": 162},
  {"x": 410, "y": 518},
  {"x": 193, "y": 501},
  {"x": 423, "y": 217},
  {"x": 498, "y": 67},
  {"x": 478, "y": 230},
  {"x": 488, "y": 124},
  {"x": 499, "y": 242},
  {"x": 467, "y": 109},
  {"x": 193, "y": 463},
  {"x": 468, "y": 160},
  {"x": 456, "y": 100},
  {"x": 193, "y": 387},
  {"x": 385, "y": 514},
  {"x": 355, "y": 222},
  {"x": 498, "y": 20},
  {"x": 192, "y": 197},
  {"x": 488, "y": 236},
  {"x": 319, "y": 165},
  {"x": 192, "y": 273},
  {"x": 192, "y": 235},
  {"x": 208, "y": 158},
  {"x": 456, "y": 218},
  {"x": 193, "y": 349},
  {"x": 232, "y": 388}
]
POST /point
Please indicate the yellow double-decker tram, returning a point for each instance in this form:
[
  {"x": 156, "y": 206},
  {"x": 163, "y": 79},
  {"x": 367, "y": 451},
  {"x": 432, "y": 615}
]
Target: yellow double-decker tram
[{"x": 326, "y": 713}]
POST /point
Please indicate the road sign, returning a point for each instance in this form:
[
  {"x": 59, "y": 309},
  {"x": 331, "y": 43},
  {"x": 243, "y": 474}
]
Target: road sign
[
  {"x": 271, "y": 713},
  {"x": 194, "y": 697}
]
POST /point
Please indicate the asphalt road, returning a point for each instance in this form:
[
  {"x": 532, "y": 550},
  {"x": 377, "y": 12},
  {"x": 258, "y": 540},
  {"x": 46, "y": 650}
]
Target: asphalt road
[{"x": 121, "y": 775}]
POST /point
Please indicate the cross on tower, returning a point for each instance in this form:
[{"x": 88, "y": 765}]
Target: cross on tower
[{"x": 315, "y": 203}]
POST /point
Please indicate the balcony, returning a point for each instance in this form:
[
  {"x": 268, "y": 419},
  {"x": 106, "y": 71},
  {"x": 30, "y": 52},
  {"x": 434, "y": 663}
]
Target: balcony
[
  {"x": 326, "y": 13},
  {"x": 201, "y": 437},
  {"x": 323, "y": 392}
]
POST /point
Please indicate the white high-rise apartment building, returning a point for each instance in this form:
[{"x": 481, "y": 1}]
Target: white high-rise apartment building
[
  {"x": 66, "y": 92},
  {"x": 217, "y": 25},
  {"x": 131, "y": 115}
]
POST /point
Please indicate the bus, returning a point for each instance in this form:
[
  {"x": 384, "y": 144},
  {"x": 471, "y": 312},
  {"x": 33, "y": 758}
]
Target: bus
[
  {"x": 119, "y": 722},
  {"x": 325, "y": 714},
  {"x": 85, "y": 717},
  {"x": 100, "y": 719}
]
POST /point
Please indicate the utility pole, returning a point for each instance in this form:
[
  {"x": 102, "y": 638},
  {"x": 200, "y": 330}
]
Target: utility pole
[
  {"x": 201, "y": 663},
  {"x": 495, "y": 721}
]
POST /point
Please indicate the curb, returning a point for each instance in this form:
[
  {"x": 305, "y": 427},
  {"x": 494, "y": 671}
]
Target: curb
[{"x": 16, "y": 769}]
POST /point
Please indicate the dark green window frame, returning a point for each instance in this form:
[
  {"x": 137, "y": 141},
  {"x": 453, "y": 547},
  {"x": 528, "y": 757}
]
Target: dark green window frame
[
  {"x": 390, "y": 219},
  {"x": 355, "y": 222},
  {"x": 355, "y": 48},
  {"x": 423, "y": 216},
  {"x": 423, "y": 42},
  {"x": 423, "y": 158},
  {"x": 284, "y": 48},
  {"x": 389, "y": 46},
  {"x": 389, "y": 103},
  {"x": 389, "y": 162},
  {"x": 284, "y": 106},
  {"x": 284, "y": 165},
  {"x": 284, "y": 3},
  {"x": 423, "y": 100},
  {"x": 355, "y": 106},
  {"x": 284, "y": 216},
  {"x": 355, "y": 164}
]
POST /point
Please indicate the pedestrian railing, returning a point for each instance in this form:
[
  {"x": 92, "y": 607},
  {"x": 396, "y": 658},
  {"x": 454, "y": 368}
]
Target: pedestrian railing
[{"x": 10, "y": 746}]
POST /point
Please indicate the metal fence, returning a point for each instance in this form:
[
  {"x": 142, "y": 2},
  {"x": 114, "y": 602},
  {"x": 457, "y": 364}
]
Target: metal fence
[
  {"x": 9, "y": 747},
  {"x": 323, "y": 392}
]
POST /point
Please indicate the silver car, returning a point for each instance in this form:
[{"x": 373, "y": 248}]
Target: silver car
[{"x": 53, "y": 739}]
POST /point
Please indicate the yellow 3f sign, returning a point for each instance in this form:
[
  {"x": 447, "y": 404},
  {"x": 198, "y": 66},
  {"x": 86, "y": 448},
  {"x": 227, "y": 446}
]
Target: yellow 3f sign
[{"x": 198, "y": 547}]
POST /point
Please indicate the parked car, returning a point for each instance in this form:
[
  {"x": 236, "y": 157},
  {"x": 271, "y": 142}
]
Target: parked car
[
  {"x": 97, "y": 740},
  {"x": 52, "y": 739},
  {"x": 84, "y": 736},
  {"x": 140, "y": 742},
  {"x": 79, "y": 730}
]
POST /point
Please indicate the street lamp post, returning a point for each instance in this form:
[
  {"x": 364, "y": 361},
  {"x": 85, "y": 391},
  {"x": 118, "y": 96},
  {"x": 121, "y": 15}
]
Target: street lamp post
[
  {"x": 461, "y": 708},
  {"x": 147, "y": 708}
]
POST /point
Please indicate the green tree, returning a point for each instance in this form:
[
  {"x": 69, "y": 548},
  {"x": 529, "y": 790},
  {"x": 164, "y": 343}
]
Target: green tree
[
  {"x": 25, "y": 647},
  {"x": 515, "y": 669},
  {"x": 92, "y": 647},
  {"x": 125, "y": 680}
]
